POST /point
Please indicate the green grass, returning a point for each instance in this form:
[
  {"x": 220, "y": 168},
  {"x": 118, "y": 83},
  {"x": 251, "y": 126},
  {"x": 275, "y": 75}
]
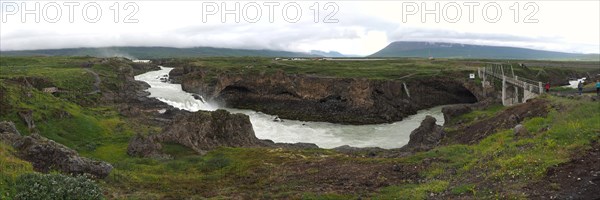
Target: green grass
[
  {"x": 510, "y": 162},
  {"x": 11, "y": 168},
  {"x": 390, "y": 69},
  {"x": 329, "y": 196},
  {"x": 464, "y": 189},
  {"x": 405, "y": 69},
  {"x": 476, "y": 115},
  {"x": 413, "y": 191}
]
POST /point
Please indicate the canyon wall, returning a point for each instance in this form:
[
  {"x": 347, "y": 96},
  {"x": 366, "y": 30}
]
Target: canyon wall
[{"x": 315, "y": 98}]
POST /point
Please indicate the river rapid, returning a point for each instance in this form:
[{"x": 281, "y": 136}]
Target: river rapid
[{"x": 323, "y": 134}]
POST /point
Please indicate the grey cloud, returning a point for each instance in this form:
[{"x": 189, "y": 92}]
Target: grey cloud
[{"x": 420, "y": 34}]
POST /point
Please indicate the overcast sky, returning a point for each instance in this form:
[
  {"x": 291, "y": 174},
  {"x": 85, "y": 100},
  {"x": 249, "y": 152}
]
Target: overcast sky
[{"x": 357, "y": 28}]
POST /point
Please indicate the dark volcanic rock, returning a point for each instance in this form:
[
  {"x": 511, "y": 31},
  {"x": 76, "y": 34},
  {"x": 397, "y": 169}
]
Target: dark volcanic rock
[
  {"x": 453, "y": 111},
  {"x": 46, "y": 155},
  {"x": 450, "y": 112},
  {"x": 201, "y": 131},
  {"x": 204, "y": 131},
  {"x": 369, "y": 151},
  {"x": 427, "y": 136},
  {"x": 8, "y": 127},
  {"x": 299, "y": 145},
  {"x": 144, "y": 147},
  {"x": 337, "y": 100}
]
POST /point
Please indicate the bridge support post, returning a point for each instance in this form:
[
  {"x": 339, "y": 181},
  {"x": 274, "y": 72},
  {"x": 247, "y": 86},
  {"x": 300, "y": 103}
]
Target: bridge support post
[
  {"x": 483, "y": 82},
  {"x": 516, "y": 98},
  {"x": 516, "y": 89},
  {"x": 504, "y": 90}
]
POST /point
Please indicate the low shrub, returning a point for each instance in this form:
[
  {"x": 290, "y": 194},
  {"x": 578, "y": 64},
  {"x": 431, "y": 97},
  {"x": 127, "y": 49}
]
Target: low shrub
[{"x": 33, "y": 186}]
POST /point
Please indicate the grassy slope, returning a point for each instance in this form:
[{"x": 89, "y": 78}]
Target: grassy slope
[
  {"x": 512, "y": 163},
  {"x": 69, "y": 117},
  {"x": 11, "y": 167},
  {"x": 404, "y": 69},
  {"x": 99, "y": 132}
]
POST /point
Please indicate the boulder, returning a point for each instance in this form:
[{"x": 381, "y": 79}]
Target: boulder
[
  {"x": 368, "y": 151},
  {"x": 46, "y": 155},
  {"x": 201, "y": 131},
  {"x": 426, "y": 136},
  {"x": 450, "y": 112},
  {"x": 520, "y": 131},
  {"x": 8, "y": 132},
  {"x": 8, "y": 128},
  {"x": 143, "y": 146}
]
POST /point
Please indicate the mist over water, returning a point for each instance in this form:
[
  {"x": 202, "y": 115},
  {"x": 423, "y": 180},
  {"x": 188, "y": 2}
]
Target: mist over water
[{"x": 325, "y": 135}]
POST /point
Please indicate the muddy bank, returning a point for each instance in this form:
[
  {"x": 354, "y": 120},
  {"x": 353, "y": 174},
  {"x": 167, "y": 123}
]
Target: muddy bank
[{"x": 313, "y": 98}]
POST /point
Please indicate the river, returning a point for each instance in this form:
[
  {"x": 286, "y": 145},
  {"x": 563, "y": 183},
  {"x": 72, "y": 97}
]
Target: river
[{"x": 323, "y": 134}]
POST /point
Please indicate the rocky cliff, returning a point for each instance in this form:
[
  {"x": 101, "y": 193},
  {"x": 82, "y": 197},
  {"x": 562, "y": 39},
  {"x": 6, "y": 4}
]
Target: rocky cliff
[
  {"x": 312, "y": 98},
  {"x": 201, "y": 131},
  {"x": 426, "y": 136},
  {"x": 46, "y": 155}
]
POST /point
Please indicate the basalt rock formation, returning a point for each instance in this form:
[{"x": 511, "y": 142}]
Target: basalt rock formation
[
  {"x": 337, "y": 100},
  {"x": 46, "y": 155},
  {"x": 426, "y": 136},
  {"x": 201, "y": 131}
]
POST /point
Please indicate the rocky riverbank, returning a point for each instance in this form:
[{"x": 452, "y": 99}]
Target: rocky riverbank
[
  {"x": 46, "y": 155},
  {"x": 328, "y": 99}
]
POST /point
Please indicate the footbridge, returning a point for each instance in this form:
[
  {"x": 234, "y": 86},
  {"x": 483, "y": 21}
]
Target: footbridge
[{"x": 514, "y": 89}]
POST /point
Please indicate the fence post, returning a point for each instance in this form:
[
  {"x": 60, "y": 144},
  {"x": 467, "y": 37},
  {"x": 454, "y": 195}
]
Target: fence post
[{"x": 540, "y": 86}]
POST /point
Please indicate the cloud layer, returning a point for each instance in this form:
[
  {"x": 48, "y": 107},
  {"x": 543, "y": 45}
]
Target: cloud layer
[{"x": 362, "y": 27}]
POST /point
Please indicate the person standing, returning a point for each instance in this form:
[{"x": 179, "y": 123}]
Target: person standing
[
  {"x": 547, "y": 86},
  {"x": 598, "y": 87},
  {"x": 580, "y": 87}
]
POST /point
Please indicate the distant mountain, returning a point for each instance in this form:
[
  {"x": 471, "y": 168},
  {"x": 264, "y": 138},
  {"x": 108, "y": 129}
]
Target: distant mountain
[
  {"x": 455, "y": 50},
  {"x": 327, "y": 54},
  {"x": 156, "y": 52}
]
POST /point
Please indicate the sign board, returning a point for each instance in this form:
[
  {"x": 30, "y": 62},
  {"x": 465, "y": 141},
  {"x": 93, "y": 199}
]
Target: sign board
[{"x": 471, "y": 76}]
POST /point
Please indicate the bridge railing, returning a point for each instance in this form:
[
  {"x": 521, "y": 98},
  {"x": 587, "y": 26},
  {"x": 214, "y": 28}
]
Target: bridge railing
[{"x": 527, "y": 84}]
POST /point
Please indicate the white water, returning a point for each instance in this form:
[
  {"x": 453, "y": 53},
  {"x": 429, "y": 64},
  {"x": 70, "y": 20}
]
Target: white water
[
  {"x": 325, "y": 135},
  {"x": 573, "y": 83}
]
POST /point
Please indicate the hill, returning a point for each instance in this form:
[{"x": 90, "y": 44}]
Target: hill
[
  {"x": 455, "y": 50},
  {"x": 155, "y": 52},
  {"x": 328, "y": 54}
]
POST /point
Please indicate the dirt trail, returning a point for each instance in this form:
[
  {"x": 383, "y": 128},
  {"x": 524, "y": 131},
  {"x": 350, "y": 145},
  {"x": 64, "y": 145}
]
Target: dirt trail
[{"x": 96, "y": 83}]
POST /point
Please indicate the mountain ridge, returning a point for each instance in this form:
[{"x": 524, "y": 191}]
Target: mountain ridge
[
  {"x": 458, "y": 50},
  {"x": 156, "y": 52},
  {"x": 398, "y": 49}
]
